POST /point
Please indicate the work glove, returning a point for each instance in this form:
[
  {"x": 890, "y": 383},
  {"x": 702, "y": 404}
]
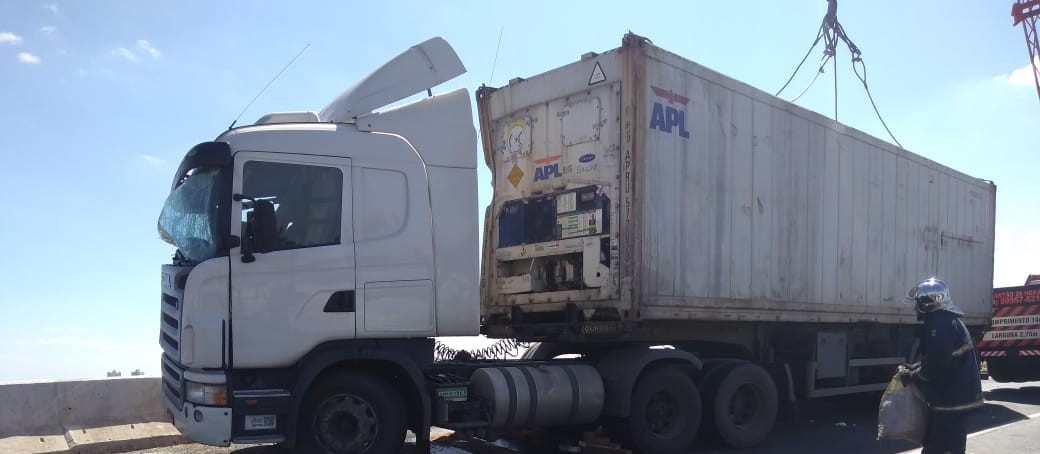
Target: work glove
[
  {"x": 908, "y": 377},
  {"x": 907, "y": 373}
]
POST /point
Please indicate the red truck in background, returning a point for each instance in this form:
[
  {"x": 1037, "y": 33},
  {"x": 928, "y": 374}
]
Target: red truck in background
[{"x": 1011, "y": 347}]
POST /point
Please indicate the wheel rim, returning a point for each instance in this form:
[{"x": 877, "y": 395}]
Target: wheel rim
[
  {"x": 345, "y": 423},
  {"x": 662, "y": 413},
  {"x": 745, "y": 405}
]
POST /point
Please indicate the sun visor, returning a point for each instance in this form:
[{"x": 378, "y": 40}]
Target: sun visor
[{"x": 417, "y": 69}]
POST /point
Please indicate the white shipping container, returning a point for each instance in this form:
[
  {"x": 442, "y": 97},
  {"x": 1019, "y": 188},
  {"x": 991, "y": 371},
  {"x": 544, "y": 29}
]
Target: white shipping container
[{"x": 639, "y": 185}]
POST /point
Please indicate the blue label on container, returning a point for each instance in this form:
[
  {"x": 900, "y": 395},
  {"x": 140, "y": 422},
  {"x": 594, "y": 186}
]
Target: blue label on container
[{"x": 587, "y": 158}]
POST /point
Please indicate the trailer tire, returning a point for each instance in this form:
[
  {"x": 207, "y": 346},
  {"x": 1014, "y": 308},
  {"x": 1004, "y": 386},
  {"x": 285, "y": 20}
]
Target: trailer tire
[
  {"x": 712, "y": 373},
  {"x": 740, "y": 404},
  {"x": 666, "y": 413},
  {"x": 351, "y": 413},
  {"x": 712, "y": 369}
]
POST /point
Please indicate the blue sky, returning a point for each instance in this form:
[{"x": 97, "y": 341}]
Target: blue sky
[{"x": 99, "y": 101}]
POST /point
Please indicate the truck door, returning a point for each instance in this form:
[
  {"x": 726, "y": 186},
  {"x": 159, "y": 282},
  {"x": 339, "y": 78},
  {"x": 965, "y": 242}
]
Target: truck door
[{"x": 302, "y": 292}]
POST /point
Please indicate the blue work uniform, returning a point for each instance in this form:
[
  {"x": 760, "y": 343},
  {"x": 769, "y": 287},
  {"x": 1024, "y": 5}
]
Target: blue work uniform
[{"x": 949, "y": 378}]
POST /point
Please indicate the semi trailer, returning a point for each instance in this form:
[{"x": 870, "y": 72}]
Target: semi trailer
[{"x": 685, "y": 253}]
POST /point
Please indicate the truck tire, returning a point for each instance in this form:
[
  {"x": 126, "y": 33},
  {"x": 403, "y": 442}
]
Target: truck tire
[
  {"x": 740, "y": 403},
  {"x": 351, "y": 413},
  {"x": 712, "y": 372},
  {"x": 666, "y": 413},
  {"x": 712, "y": 369}
]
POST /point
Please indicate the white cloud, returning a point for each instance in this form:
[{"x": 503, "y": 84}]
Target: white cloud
[
  {"x": 1014, "y": 255},
  {"x": 153, "y": 161},
  {"x": 147, "y": 47},
  {"x": 10, "y": 38},
  {"x": 94, "y": 72},
  {"x": 27, "y": 58},
  {"x": 1023, "y": 76},
  {"x": 52, "y": 7},
  {"x": 48, "y": 29},
  {"x": 124, "y": 53}
]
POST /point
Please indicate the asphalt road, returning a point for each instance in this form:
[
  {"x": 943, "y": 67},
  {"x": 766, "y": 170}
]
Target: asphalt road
[{"x": 843, "y": 424}]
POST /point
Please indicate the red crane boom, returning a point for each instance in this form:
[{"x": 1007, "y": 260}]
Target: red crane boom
[{"x": 1026, "y": 12}]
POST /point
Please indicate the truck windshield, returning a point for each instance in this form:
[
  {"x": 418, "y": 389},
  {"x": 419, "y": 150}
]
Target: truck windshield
[{"x": 188, "y": 218}]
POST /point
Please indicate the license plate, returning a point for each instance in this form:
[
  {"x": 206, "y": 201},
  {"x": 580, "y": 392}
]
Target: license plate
[
  {"x": 260, "y": 422},
  {"x": 598, "y": 328}
]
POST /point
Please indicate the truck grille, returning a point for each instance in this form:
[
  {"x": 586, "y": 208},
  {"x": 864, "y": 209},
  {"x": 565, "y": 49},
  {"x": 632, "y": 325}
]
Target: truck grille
[
  {"x": 169, "y": 326},
  {"x": 170, "y": 309},
  {"x": 173, "y": 380}
]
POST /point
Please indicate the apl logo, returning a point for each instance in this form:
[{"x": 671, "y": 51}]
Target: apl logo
[
  {"x": 547, "y": 172},
  {"x": 665, "y": 118}
]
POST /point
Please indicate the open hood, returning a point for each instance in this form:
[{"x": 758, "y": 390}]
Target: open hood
[{"x": 417, "y": 69}]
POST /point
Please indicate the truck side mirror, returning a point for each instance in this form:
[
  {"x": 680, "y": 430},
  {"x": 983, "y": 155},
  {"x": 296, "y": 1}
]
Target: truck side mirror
[
  {"x": 264, "y": 226},
  {"x": 260, "y": 229}
]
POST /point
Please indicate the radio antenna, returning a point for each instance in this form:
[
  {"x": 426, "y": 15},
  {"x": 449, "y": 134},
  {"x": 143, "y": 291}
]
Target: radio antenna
[
  {"x": 262, "y": 90},
  {"x": 497, "y": 48}
]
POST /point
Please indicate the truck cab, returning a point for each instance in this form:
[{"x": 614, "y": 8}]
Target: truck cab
[{"x": 308, "y": 230}]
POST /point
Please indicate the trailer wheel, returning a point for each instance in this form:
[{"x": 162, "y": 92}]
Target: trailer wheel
[
  {"x": 351, "y": 413},
  {"x": 666, "y": 413},
  {"x": 740, "y": 404},
  {"x": 712, "y": 369}
]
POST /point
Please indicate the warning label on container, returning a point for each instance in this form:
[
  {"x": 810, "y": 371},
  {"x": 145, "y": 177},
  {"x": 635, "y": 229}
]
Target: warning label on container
[
  {"x": 579, "y": 224},
  {"x": 566, "y": 202},
  {"x": 597, "y": 75},
  {"x": 515, "y": 175}
]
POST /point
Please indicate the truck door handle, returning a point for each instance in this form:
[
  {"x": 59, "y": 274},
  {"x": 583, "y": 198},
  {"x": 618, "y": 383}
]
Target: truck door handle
[{"x": 341, "y": 301}]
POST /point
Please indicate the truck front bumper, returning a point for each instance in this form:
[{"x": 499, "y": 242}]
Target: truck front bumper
[{"x": 206, "y": 425}]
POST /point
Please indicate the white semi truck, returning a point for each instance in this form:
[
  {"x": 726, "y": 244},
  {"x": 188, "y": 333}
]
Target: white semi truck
[{"x": 687, "y": 253}]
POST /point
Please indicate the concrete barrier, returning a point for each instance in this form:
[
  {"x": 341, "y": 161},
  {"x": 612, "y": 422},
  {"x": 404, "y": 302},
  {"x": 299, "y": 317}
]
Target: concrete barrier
[{"x": 72, "y": 416}]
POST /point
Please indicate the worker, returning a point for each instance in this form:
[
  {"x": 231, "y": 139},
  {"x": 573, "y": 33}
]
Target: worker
[{"x": 948, "y": 372}]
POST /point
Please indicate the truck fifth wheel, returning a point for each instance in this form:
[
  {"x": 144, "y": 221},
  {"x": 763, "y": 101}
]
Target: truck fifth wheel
[{"x": 686, "y": 253}]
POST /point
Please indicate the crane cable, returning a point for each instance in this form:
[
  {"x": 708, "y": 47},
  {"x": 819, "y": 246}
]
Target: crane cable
[
  {"x": 806, "y": 57},
  {"x": 866, "y": 88},
  {"x": 823, "y": 62},
  {"x": 831, "y": 31}
]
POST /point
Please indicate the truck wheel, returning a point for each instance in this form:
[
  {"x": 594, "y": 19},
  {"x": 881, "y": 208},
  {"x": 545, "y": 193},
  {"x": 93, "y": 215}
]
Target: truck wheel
[
  {"x": 712, "y": 369},
  {"x": 666, "y": 413},
  {"x": 712, "y": 373},
  {"x": 740, "y": 404},
  {"x": 350, "y": 413}
]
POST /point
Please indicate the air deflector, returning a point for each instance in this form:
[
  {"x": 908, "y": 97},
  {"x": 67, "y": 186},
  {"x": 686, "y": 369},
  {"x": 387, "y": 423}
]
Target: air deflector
[{"x": 417, "y": 69}]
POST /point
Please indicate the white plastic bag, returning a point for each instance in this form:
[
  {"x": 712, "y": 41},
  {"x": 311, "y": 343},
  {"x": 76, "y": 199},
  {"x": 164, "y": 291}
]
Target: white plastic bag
[{"x": 903, "y": 413}]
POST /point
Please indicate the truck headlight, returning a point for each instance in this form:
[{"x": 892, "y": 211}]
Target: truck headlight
[{"x": 201, "y": 393}]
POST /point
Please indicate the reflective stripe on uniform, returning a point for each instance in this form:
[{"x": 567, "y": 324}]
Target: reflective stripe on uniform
[
  {"x": 968, "y": 406},
  {"x": 963, "y": 349}
]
